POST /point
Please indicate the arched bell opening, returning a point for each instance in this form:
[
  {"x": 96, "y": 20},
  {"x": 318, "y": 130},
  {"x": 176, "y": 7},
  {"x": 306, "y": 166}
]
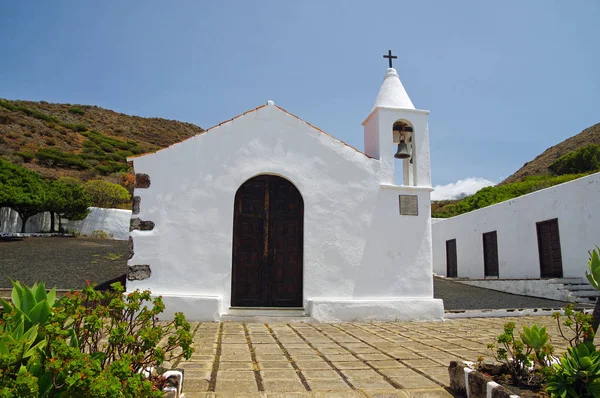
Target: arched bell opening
[{"x": 403, "y": 132}]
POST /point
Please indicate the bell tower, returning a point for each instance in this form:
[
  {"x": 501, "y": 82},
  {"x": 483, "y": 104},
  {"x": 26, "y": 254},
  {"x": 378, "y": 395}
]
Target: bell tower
[{"x": 396, "y": 133}]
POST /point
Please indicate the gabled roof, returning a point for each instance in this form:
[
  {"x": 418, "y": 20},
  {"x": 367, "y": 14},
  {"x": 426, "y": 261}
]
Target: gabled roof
[{"x": 270, "y": 103}]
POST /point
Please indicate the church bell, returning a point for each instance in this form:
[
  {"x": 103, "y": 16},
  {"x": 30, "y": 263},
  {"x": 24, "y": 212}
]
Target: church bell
[{"x": 402, "y": 152}]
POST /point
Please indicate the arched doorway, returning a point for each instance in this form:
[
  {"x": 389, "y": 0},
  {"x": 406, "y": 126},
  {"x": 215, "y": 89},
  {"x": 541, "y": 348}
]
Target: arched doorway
[{"x": 268, "y": 226}]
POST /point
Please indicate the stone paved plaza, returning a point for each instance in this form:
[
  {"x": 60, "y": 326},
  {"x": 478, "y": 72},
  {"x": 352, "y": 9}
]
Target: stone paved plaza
[{"x": 396, "y": 359}]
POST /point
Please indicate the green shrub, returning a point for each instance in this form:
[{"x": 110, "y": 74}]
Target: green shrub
[
  {"x": 106, "y": 194},
  {"x": 577, "y": 325},
  {"x": 92, "y": 343},
  {"x": 54, "y": 157},
  {"x": 26, "y": 155},
  {"x": 519, "y": 355},
  {"x": 8, "y": 105},
  {"x": 100, "y": 234},
  {"x": 77, "y": 111},
  {"x": 582, "y": 160},
  {"x": 79, "y": 127}
]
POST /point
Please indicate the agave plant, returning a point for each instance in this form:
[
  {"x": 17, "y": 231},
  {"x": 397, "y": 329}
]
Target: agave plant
[
  {"x": 538, "y": 339},
  {"x": 593, "y": 276},
  {"x": 578, "y": 374},
  {"x": 32, "y": 305}
]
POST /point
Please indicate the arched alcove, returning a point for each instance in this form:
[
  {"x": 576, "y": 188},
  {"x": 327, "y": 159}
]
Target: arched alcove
[
  {"x": 268, "y": 233},
  {"x": 403, "y": 137}
]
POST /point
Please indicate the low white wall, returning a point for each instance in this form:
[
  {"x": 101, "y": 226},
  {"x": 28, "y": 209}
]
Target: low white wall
[
  {"x": 111, "y": 221},
  {"x": 525, "y": 287},
  {"x": 576, "y": 206}
]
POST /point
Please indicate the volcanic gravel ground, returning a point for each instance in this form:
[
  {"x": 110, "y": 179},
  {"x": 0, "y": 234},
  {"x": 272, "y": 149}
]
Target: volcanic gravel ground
[
  {"x": 62, "y": 262},
  {"x": 458, "y": 296}
]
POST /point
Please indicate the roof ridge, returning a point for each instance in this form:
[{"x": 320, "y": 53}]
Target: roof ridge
[{"x": 243, "y": 114}]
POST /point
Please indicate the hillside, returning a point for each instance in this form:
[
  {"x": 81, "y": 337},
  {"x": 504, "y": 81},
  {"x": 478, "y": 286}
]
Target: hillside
[
  {"x": 80, "y": 141},
  {"x": 579, "y": 156},
  {"x": 539, "y": 165}
]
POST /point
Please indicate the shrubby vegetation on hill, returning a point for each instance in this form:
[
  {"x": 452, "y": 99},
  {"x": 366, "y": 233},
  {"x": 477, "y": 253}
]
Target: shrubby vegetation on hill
[
  {"x": 81, "y": 141},
  {"x": 582, "y": 160},
  {"x": 499, "y": 193}
]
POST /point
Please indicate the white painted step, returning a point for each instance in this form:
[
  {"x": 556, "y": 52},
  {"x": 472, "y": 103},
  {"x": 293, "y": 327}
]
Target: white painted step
[
  {"x": 265, "y": 315},
  {"x": 566, "y": 281},
  {"x": 265, "y": 319},
  {"x": 265, "y": 311},
  {"x": 587, "y": 293},
  {"x": 574, "y": 288}
]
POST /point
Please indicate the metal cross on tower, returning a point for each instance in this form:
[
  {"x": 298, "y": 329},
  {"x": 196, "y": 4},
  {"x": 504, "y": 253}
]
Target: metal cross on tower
[{"x": 390, "y": 57}]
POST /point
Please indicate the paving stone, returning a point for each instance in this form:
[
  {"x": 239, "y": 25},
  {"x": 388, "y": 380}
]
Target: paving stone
[
  {"x": 399, "y": 372},
  {"x": 338, "y": 394},
  {"x": 279, "y": 374},
  {"x": 433, "y": 393},
  {"x": 283, "y": 385},
  {"x": 196, "y": 365},
  {"x": 351, "y": 365},
  {"x": 306, "y": 357},
  {"x": 271, "y": 357},
  {"x": 247, "y": 375},
  {"x": 421, "y": 363},
  {"x": 195, "y": 384},
  {"x": 236, "y": 365},
  {"x": 235, "y": 386},
  {"x": 390, "y": 363},
  {"x": 274, "y": 365},
  {"x": 196, "y": 394},
  {"x": 414, "y": 382},
  {"x": 321, "y": 374},
  {"x": 288, "y": 395},
  {"x": 197, "y": 374},
  {"x": 359, "y": 373},
  {"x": 373, "y": 357},
  {"x": 328, "y": 385},
  {"x": 404, "y": 354},
  {"x": 371, "y": 383},
  {"x": 426, "y": 346},
  {"x": 341, "y": 357},
  {"x": 387, "y": 393},
  {"x": 312, "y": 365},
  {"x": 236, "y": 358},
  {"x": 332, "y": 349}
]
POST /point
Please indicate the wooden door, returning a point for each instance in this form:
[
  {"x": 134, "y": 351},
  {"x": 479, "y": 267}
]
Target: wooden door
[
  {"x": 549, "y": 249},
  {"x": 451, "y": 260},
  {"x": 267, "y": 244},
  {"x": 490, "y": 253}
]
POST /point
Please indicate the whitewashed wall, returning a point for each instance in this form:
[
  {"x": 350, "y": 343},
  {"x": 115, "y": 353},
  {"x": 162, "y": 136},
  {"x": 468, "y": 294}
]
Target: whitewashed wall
[
  {"x": 576, "y": 204},
  {"x": 111, "y": 221},
  {"x": 360, "y": 255}
]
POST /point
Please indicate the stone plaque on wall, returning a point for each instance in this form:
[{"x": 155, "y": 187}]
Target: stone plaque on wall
[{"x": 409, "y": 205}]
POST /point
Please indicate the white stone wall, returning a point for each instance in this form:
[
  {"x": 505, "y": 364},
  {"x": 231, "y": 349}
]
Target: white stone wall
[
  {"x": 356, "y": 244},
  {"x": 576, "y": 206},
  {"x": 111, "y": 221}
]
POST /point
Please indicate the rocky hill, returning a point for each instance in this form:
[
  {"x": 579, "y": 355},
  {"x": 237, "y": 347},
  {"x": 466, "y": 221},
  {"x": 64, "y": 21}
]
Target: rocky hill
[
  {"x": 80, "y": 141},
  {"x": 539, "y": 165}
]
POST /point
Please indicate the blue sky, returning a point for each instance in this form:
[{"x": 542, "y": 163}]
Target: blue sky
[{"x": 503, "y": 80}]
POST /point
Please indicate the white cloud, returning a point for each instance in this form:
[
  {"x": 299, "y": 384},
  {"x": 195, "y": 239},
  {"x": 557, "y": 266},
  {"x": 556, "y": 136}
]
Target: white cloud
[{"x": 460, "y": 188}]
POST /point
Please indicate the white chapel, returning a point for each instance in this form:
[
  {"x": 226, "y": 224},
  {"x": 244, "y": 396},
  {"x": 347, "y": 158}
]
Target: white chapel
[{"x": 267, "y": 214}]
